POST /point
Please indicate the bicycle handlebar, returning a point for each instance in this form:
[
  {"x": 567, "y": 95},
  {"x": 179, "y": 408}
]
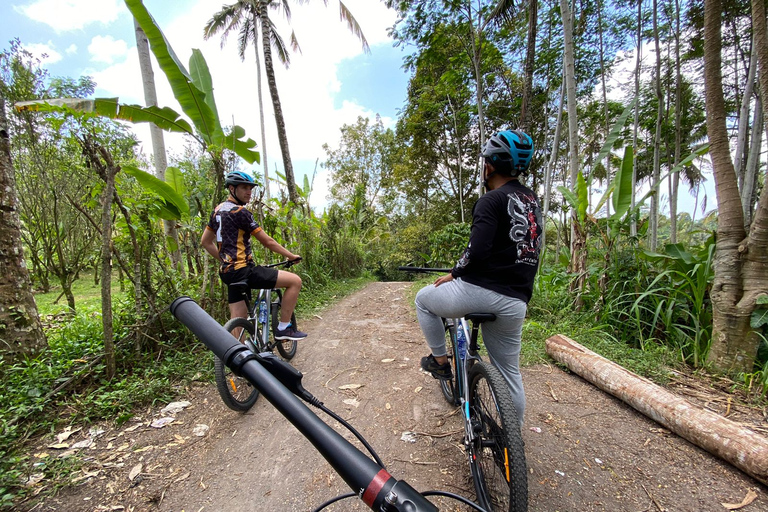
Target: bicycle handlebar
[
  {"x": 374, "y": 485},
  {"x": 286, "y": 263},
  {"x": 423, "y": 269}
]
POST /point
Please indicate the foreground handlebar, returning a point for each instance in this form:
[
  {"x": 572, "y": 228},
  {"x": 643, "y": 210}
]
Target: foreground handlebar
[
  {"x": 423, "y": 269},
  {"x": 373, "y": 484}
]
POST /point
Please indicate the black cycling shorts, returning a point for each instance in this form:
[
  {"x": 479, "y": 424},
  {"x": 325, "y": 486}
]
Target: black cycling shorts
[{"x": 255, "y": 275}]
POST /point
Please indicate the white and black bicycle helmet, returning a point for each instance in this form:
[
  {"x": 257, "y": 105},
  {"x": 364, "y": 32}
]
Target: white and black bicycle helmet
[{"x": 509, "y": 151}]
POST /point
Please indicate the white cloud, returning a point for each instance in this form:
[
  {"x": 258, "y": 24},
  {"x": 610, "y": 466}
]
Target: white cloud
[
  {"x": 307, "y": 89},
  {"x": 71, "y": 49},
  {"x": 106, "y": 48},
  {"x": 66, "y": 15},
  {"x": 44, "y": 52}
]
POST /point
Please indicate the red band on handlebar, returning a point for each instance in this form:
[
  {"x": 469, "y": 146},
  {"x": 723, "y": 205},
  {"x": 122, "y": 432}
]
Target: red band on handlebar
[{"x": 373, "y": 489}]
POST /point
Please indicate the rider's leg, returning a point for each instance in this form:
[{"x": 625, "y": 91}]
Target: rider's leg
[
  {"x": 503, "y": 340},
  {"x": 292, "y": 284},
  {"x": 449, "y": 300},
  {"x": 238, "y": 309}
]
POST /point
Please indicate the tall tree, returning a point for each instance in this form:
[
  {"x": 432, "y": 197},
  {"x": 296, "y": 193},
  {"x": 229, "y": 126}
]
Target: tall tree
[
  {"x": 156, "y": 135},
  {"x": 578, "y": 235},
  {"x": 242, "y": 16},
  {"x": 20, "y": 331},
  {"x": 741, "y": 260},
  {"x": 656, "y": 173},
  {"x": 364, "y": 160},
  {"x": 245, "y": 14}
]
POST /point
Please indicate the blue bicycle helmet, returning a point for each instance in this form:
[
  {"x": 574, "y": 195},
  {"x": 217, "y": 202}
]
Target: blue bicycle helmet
[
  {"x": 238, "y": 178},
  {"x": 510, "y": 150}
]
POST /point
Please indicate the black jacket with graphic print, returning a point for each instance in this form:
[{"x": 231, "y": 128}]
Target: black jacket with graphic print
[{"x": 503, "y": 250}]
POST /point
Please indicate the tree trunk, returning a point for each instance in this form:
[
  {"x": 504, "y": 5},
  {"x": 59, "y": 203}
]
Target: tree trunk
[
  {"x": 530, "y": 57},
  {"x": 290, "y": 180},
  {"x": 260, "y": 94},
  {"x": 636, "y": 124},
  {"x": 750, "y": 175},
  {"x": 476, "y": 38},
  {"x": 746, "y": 101},
  {"x": 578, "y": 235},
  {"x": 101, "y": 160},
  {"x": 550, "y": 166},
  {"x": 156, "y": 134},
  {"x": 20, "y": 329},
  {"x": 738, "y": 445},
  {"x": 740, "y": 264},
  {"x": 653, "y": 215},
  {"x": 675, "y": 179}
]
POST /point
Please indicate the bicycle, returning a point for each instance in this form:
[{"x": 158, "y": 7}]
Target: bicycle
[
  {"x": 492, "y": 438},
  {"x": 280, "y": 384},
  {"x": 255, "y": 333}
]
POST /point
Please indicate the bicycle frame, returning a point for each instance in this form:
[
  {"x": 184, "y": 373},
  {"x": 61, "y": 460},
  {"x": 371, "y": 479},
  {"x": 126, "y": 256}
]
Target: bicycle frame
[
  {"x": 374, "y": 485},
  {"x": 462, "y": 371}
]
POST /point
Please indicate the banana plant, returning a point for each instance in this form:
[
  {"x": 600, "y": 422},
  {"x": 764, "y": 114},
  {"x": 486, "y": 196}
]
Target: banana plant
[{"x": 192, "y": 89}]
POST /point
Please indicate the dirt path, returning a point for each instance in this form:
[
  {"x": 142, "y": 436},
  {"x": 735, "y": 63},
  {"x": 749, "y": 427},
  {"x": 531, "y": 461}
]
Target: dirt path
[{"x": 586, "y": 450}]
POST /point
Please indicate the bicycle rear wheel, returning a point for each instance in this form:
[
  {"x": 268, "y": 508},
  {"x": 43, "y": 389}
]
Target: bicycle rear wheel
[
  {"x": 497, "y": 457},
  {"x": 449, "y": 386},
  {"x": 287, "y": 348},
  {"x": 237, "y": 393}
]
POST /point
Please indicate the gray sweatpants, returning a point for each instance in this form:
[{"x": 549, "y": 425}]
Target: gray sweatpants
[{"x": 502, "y": 337}]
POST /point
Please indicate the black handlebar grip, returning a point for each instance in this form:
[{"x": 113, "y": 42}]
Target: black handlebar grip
[{"x": 207, "y": 330}]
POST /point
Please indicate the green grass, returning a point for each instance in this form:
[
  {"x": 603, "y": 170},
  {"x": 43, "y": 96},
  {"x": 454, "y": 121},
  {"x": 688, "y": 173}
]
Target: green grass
[
  {"x": 312, "y": 301},
  {"x": 87, "y": 296}
]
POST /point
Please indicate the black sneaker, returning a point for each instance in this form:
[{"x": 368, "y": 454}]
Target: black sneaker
[
  {"x": 289, "y": 333},
  {"x": 438, "y": 371}
]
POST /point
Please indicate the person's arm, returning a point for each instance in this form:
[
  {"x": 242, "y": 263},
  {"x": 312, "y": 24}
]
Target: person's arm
[
  {"x": 208, "y": 241},
  {"x": 271, "y": 244},
  {"x": 480, "y": 239}
]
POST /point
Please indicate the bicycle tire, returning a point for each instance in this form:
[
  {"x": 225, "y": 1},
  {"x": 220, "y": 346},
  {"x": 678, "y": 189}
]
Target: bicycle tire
[
  {"x": 497, "y": 456},
  {"x": 286, "y": 348},
  {"x": 449, "y": 387},
  {"x": 236, "y": 392}
]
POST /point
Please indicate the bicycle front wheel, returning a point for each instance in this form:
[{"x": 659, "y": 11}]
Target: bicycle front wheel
[
  {"x": 497, "y": 457},
  {"x": 449, "y": 387},
  {"x": 287, "y": 348},
  {"x": 237, "y": 393}
]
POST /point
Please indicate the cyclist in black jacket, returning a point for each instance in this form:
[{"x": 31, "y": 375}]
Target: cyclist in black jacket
[{"x": 496, "y": 271}]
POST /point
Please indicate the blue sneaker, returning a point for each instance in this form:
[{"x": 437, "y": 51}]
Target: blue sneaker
[{"x": 289, "y": 333}]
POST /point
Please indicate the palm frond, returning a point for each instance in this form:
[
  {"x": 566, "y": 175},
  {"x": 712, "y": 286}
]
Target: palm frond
[
  {"x": 353, "y": 25},
  {"x": 278, "y": 45},
  {"x": 284, "y": 7},
  {"x": 224, "y": 21},
  {"x": 505, "y": 10}
]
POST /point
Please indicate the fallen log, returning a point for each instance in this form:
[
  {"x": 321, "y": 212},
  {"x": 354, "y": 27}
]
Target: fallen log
[{"x": 732, "y": 442}]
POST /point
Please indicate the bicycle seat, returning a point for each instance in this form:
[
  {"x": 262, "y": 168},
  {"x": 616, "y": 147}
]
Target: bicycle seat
[
  {"x": 480, "y": 317},
  {"x": 243, "y": 285}
]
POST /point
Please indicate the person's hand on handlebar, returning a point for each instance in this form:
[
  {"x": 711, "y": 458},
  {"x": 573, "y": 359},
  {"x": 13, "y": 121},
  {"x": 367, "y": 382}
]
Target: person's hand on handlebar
[{"x": 443, "y": 279}]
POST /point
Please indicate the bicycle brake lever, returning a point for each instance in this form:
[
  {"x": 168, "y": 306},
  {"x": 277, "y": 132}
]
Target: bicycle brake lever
[{"x": 289, "y": 376}]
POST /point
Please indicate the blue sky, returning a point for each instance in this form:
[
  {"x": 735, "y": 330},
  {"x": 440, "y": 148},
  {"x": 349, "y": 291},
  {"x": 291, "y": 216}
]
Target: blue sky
[{"x": 329, "y": 84}]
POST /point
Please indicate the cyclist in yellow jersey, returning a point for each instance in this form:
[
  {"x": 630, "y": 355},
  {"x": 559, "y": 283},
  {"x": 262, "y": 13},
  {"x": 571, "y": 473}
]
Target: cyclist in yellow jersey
[{"x": 227, "y": 237}]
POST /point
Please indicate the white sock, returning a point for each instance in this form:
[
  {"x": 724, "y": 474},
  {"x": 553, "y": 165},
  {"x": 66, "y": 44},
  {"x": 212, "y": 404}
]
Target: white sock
[{"x": 281, "y": 326}]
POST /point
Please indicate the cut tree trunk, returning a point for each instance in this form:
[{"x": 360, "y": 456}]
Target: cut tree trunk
[{"x": 732, "y": 442}]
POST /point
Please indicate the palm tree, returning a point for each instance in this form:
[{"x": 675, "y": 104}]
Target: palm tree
[
  {"x": 247, "y": 16},
  {"x": 243, "y": 16}
]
